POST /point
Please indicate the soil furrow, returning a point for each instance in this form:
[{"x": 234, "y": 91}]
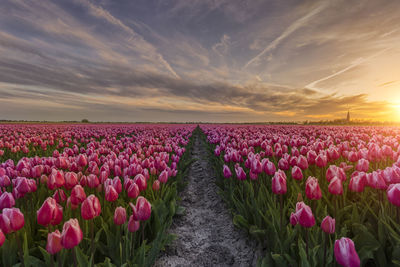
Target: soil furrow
[{"x": 205, "y": 233}]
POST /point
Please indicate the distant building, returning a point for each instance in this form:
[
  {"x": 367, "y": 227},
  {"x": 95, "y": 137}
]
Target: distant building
[{"x": 348, "y": 116}]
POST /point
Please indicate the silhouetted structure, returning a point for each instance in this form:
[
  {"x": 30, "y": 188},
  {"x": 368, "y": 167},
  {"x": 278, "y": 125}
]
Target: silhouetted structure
[{"x": 348, "y": 116}]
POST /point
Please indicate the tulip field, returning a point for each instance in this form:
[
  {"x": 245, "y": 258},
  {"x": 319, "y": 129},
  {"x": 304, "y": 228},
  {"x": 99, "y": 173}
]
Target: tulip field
[
  {"x": 106, "y": 194},
  {"x": 312, "y": 195},
  {"x": 94, "y": 194}
]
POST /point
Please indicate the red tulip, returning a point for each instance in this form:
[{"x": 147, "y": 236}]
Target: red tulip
[
  {"x": 335, "y": 186},
  {"x": 90, "y": 208},
  {"x": 11, "y": 220},
  {"x": 279, "y": 183},
  {"x": 303, "y": 215},
  {"x": 313, "y": 191},
  {"x": 49, "y": 213},
  {"x": 119, "y": 216},
  {"x": 133, "y": 225},
  {"x": 226, "y": 171},
  {"x": 53, "y": 245},
  {"x": 71, "y": 234},
  {"x": 393, "y": 194},
  {"x": 6, "y": 200},
  {"x": 328, "y": 225},
  {"x": 78, "y": 195},
  {"x": 345, "y": 253}
]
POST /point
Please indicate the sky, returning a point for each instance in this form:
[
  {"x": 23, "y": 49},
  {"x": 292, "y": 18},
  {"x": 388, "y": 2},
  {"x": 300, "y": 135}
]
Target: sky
[{"x": 199, "y": 60}]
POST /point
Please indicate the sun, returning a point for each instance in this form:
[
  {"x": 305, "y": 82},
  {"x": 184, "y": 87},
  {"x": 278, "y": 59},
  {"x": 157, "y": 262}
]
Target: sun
[{"x": 396, "y": 109}]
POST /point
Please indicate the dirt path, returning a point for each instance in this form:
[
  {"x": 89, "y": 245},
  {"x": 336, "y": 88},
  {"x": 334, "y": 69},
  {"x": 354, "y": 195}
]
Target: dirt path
[{"x": 206, "y": 235}]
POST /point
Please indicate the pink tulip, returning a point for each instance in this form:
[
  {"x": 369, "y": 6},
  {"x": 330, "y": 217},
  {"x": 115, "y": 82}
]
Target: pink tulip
[
  {"x": 269, "y": 168},
  {"x": 78, "y": 195},
  {"x": 321, "y": 161},
  {"x": 345, "y": 253},
  {"x": 357, "y": 182},
  {"x": 110, "y": 193},
  {"x": 240, "y": 174},
  {"x": 49, "y": 213},
  {"x": 393, "y": 194},
  {"x": 328, "y": 225},
  {"x": 11, "y": 220},
  {"x": 335, "y": 186},
  {"x": 53, "y": 245},
  {"x": 142, "y": 210},
  {"x": 156, "y": 185},
  {"x": 6, "y": 200},
  {"x": 133, "y": 190},
  {"x": 313, "y": 191},
  {"x": 303, "y": 215},
  {"x": 119, "y": 216},
  {"x": 71, "y": 234},
  {"x": 133, "y": 225},
  {"x": 163, "y": 177},
  {"x": 297, "y": 173},
  {"x": 226, "y": 171},
  {"x": 90, "y": 208},
  {"x": 279, "y": 183}
]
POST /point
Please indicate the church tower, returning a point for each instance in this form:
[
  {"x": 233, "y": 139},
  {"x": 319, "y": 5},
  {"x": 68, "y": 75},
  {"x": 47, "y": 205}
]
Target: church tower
[{"x": 348, "y": 116}]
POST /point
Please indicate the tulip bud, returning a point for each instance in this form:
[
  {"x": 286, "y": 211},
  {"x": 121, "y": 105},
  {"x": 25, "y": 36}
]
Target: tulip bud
[
  {"x": 7, "y": 200},
  {"x": 345, "y": 253},
  {"x": 328, "y": 225},
  {"x": 53, "y": 245},
  {"x": 313, "y": 191},
  {"x": 110, "y": 193},
  {"x": 133, "y": 190},
  {"x": 78, "y": 195},
  {"x": 11, "y": 220},
  {"x": 335, "y": 186},
  {"x": 90, "y": 208},
  {"x": 226, "y": 171},
  {"x": 71, "y": 234},
  {"x": 133, "y": 225},
  {"x": 393, "y": 194},
  {"x": 303, "y": 215},
  {"x": 156, "y": 185},
  {"x": 279, "y": 183},
  {"x": 119, "y": 216},
  {"x": 297, "y": 173},
  {"x": 143, "y": 209}
]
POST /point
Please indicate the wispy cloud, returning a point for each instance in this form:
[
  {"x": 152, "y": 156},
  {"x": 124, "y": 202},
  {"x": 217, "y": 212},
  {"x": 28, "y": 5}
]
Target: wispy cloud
[{"x": 289, "y": 30}]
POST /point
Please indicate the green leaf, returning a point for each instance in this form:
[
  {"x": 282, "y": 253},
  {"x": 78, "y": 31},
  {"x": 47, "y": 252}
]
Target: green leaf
[{"x": 80, "y": 257}]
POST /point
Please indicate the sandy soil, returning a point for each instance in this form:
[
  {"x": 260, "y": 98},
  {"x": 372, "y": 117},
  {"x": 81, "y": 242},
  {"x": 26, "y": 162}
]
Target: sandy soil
[{"x": 205, "y": 233}]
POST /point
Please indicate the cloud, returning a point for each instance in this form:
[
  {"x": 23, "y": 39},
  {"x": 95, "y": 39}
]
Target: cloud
[{"x": 289, "y": 30}]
